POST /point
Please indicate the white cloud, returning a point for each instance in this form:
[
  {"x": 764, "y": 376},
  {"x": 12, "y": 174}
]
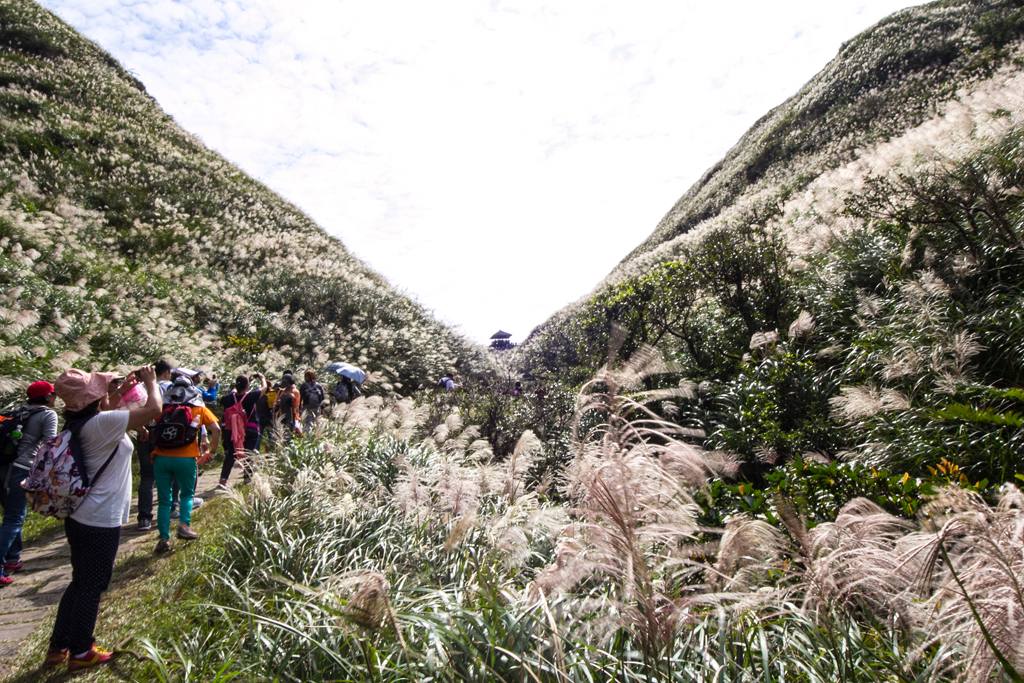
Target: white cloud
[{"x": 495, "y": 159}]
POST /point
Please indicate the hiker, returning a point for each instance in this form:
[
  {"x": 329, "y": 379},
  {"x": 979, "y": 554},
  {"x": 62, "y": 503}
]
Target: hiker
[
  {"x": 251, "y": 430},
  {"x": 164, "y": 378},
  {"x": 270, "y": 399},
  {"x": 93, "y": 530},
  {"x": 312, "y": 395},
  {"x": 175, "y": 455},
  {"x": 345, "y": 391},
  {"x": 286, "y": 407},
  {"x": 447, "y": 383},
  {"x": 265, "y": 408},
  {"x": 39, "y": 424},
  {"x": 144, "y": 448},
  {"x": 205, "y": 454},
  {"x": 209, "y": 390}
]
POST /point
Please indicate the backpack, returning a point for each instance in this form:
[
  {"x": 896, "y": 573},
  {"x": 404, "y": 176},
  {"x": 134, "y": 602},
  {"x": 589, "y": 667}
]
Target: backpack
[
  {"x": 58, "y": 482},
  {"x": 235, "y": 419},
  {"x": 313, "y": 394},
  {"x": 286, "y": 402},
  {"x": 11, "y": 424},
  {"x": 176, "y": 427}
]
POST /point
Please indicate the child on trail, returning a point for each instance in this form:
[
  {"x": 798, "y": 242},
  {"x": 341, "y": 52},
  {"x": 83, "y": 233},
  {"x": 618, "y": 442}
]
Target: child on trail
[
  {"x": 175, "y": 454},
  {"x": 248, "y": 421},
  {"x": 40, "y": 425},
  {"x": 312, "y": 396}
]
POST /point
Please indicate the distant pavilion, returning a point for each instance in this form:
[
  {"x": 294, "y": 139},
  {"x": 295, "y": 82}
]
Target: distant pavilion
[{"x": 500, "y": 341}]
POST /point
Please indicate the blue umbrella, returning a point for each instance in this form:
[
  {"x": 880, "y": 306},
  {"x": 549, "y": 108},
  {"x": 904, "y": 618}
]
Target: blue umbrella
[{"x": 347, "y": 370}]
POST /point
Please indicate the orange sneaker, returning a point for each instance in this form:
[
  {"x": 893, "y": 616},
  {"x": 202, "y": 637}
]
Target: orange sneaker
[
  {"x": 94, "y": 657},
  {"x": 55, "y": 657}
]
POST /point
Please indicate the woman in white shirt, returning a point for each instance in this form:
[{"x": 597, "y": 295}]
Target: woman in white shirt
[{"x": 94, "y": 529}]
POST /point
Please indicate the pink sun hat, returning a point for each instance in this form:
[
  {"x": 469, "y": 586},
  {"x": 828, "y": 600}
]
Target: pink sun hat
[{"x": 78, "y": 388}]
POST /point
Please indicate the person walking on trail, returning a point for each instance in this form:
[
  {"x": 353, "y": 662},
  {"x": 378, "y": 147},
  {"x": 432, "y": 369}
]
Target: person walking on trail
[
  {"x": 235, "y": 448},
  {"x": 345, "y": 391},
  {"x": 40, "y": 425},
  {"x": 93, "y": 530},
  {"x": 286, "y": 407},
  {"x": 205, "y": 454},
  {"x": 144, "y": 448},
  {"x": 265, "y": 412},
  {"x": 175, "y": 454},
  {"x": 312, "y": 396}
]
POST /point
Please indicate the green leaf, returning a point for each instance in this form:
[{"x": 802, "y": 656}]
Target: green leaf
[{"x": 958, "y": 411}]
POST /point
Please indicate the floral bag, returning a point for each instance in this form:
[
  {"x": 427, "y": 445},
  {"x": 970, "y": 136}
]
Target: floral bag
[{"x": 57, "y": 482}]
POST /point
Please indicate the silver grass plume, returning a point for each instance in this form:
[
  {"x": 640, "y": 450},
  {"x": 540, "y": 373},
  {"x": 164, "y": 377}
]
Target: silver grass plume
[
  {"x": 630, "y": 484},
  {"x": 519, "y": 464}
]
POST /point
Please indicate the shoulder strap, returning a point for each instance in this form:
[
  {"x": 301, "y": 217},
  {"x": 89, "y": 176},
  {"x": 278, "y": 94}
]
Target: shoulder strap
[
  {"x": 103, "y": 467},
  {"x": 77, "y": 454},
  {"x": 248, "y": 414}
]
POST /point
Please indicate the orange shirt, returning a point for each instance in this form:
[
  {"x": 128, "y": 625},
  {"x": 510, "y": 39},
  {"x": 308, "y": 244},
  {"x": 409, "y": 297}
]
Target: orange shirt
[{"x": 204, "y": 417}]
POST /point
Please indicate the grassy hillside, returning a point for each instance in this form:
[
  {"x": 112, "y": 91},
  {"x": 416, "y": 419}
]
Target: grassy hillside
[
  {"x": 124, "y": 239},
  {"x": 846, "y": 283},
  {"x": 892, "y": 77}
]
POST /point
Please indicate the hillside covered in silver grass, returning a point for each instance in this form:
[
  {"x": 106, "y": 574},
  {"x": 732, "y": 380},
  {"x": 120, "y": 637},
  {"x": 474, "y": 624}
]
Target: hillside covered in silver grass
[{"x": 124, "y": 239}]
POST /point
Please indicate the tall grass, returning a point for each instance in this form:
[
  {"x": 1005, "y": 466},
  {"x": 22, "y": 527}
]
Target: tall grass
[{"x": 355, "y": 555}]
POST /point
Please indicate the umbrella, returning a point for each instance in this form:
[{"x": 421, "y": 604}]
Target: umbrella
[{"x": 347, "y": 370}]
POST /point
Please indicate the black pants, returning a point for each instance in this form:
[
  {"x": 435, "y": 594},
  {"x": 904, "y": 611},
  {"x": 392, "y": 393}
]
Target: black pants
[
  {"x": 146, "y": 478},
  {"x": 251, "y": 443},
  {"x": 93, "y": 550}
]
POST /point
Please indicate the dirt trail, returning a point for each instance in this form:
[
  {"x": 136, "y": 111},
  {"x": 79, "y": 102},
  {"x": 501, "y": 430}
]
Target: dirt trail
[{"x": 47, "y": 572}]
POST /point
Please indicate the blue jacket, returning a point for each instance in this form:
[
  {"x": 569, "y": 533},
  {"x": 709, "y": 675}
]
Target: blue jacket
[{"x": 210, "y": 395}]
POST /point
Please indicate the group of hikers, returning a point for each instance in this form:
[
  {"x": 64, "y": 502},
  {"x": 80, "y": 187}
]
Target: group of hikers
[{"x": 176, "y": 431}]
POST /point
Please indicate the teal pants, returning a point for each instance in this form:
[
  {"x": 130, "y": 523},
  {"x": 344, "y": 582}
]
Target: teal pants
[{"x": 167, "y": 470}]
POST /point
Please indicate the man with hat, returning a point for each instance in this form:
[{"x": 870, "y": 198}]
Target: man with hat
[{"x": 40, "y": 426}]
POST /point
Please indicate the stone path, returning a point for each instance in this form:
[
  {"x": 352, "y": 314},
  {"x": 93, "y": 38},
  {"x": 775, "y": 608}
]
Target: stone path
[{"x": 47, "y": 572}]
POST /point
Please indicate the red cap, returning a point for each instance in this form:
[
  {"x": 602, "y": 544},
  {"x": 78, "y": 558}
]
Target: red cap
[{"x": 38, "y": 389}]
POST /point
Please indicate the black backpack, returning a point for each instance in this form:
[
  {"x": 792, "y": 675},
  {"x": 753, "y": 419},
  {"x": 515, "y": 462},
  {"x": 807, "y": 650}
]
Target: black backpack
[
  {"x": 313, "y": 393},
  {"x": 174, "y": 428},
  {"x": 11, "y": 424},
  {"x": 346, "y": 391},
  {"x": 286, "y": 402}
]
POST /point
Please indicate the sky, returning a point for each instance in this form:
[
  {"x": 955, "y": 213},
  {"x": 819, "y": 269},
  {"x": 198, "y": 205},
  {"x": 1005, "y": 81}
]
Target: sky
[{"x": 494, "y": 160}]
